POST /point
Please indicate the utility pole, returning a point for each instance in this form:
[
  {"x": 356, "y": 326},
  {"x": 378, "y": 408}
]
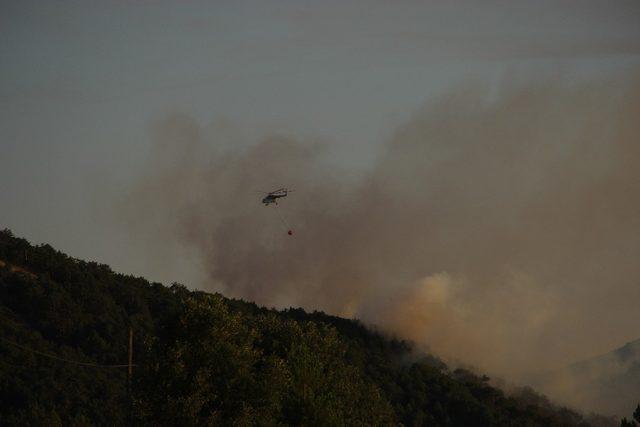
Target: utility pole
[
  {"x": 130, "y": 354},
  {"x": 130, "y": 374}
]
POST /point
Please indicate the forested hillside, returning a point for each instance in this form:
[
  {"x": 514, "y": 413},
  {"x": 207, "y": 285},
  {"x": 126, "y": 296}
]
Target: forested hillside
[{"x": 203, "y": 359}]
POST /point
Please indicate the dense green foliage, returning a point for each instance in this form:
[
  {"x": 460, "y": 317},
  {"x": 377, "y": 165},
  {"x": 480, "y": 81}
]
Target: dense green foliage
[{"x": 202, "y": 359}]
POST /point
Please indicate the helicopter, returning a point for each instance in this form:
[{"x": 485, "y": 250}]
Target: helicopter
[{"x": 273, "y": 196}]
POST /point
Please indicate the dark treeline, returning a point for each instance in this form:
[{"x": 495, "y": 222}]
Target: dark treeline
[{"x": 203, "y": 359}]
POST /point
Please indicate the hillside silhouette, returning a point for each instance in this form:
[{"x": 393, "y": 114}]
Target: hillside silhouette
[
  {"x": 203, "y": 359},
  {"x": 609, "y": 383}
]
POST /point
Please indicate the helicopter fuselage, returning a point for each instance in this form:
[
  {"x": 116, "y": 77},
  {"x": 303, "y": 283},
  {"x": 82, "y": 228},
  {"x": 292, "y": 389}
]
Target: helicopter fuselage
[{"x": 271, "y": 198}]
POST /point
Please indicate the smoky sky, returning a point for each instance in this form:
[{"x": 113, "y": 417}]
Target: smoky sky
[
  {"x": 81, "y": 81},
  {"x": 499, "y": 227},
  {"x": 493, "y": 222}
]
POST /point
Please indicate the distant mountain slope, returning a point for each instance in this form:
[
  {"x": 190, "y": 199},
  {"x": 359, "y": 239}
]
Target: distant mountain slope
[
  {"x": 610, "y": 383},
  {"x": 202, "y": 359}
]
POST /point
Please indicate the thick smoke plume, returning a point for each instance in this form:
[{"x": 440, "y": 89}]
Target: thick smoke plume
[{"x": 498, "y": 227}]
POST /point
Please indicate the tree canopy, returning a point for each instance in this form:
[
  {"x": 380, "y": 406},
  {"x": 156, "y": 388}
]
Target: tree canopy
[{"x": 203, "y": 359}]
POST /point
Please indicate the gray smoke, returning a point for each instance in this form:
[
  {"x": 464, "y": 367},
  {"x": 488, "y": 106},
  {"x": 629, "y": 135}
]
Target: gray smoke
[{"x": 496, "y": 227}]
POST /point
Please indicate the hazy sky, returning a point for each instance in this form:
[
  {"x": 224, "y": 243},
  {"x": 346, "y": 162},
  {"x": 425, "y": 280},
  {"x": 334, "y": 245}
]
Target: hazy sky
[
  {"x": 81, "y": 83},
  {"x": 495, "y": 218}
]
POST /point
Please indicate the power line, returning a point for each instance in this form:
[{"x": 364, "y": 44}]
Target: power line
[{"x": 75, "y": 362}]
